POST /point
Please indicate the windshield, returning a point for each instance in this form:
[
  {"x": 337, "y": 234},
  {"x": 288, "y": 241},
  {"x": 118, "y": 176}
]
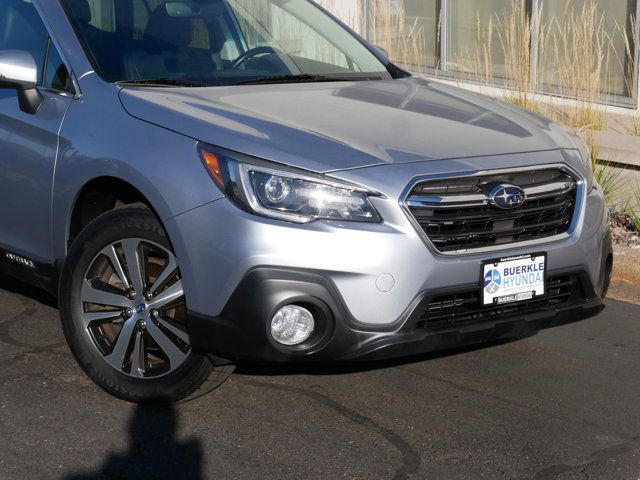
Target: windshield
[{"x": 218, "y": 42}]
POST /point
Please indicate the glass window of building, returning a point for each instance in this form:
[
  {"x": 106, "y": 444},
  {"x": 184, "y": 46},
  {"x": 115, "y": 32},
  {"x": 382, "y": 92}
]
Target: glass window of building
[
  {"x": 407, "y": 29},
  {"x": 474, "y": 36},
  {"x": 603, "y": 48}
]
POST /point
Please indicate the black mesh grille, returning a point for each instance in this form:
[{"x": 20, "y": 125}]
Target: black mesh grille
[
  {"x": 465, "y": 308},
  {"x": 456, "y": 213}
]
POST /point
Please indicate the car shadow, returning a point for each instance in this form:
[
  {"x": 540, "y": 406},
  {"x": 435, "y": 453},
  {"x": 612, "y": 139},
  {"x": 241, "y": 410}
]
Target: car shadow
[
  {"x": 11, "y": 285},
  {"x": 153, "y": 451}
]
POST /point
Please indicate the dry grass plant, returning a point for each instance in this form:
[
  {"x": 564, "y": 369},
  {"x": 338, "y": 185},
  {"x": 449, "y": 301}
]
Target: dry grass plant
[{"x": 405, "y": 41}]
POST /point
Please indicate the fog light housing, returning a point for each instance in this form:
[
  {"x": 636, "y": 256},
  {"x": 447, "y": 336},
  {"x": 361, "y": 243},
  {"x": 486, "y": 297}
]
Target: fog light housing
[{"x": 292, "y": 325}]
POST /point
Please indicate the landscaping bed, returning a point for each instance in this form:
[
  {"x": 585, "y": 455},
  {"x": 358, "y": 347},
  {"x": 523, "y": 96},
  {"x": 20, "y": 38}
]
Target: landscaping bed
[
  {"x": 625, "y": 285},
  {"x": 624, "y": 231}
]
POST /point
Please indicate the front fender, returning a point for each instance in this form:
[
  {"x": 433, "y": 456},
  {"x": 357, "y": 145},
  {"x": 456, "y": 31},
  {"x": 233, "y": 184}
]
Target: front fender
[{"x": 99, "y": 139}]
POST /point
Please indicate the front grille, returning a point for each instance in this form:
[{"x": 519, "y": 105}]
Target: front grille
[
  {"x": 465, "y": 308},
  {"x": 456, "y": 214}
]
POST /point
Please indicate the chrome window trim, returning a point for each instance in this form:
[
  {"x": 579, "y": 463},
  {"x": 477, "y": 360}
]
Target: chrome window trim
[{"x": 581, "y": 198}]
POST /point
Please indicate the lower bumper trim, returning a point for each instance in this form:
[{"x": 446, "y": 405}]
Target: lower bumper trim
[
  {"x": 241, "y": 332},
  {"x": 474, "y": 334}
]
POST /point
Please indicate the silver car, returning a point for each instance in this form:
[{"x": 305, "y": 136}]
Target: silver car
[{"x": 204, "y": 182}]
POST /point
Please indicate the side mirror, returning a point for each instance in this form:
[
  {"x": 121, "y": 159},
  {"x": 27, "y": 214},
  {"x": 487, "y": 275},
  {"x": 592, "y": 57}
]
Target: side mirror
[
  {"x": 18, "y": 70},
  {"x": 381, "y": 51}
]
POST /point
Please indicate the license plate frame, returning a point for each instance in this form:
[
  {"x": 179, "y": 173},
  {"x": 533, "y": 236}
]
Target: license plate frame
[{"x": 525, "y": 279}]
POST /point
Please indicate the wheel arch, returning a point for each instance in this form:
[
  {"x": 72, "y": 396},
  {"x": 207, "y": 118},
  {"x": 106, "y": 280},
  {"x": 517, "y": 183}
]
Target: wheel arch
[{"x": 98, "y": 196}]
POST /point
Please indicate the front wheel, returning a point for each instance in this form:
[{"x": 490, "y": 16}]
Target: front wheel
[{"x": 123, "y": 312}]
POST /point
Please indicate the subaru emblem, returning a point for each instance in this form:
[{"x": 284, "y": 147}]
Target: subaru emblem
[{"x": 507, "y": 197}]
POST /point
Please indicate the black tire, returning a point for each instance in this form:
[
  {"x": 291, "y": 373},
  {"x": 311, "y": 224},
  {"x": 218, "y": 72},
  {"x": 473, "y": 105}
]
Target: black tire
[{"x": 196, "y": 375}]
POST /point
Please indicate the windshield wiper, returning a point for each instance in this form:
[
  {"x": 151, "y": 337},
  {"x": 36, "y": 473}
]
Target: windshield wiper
[
  {"x": 301, "y": 78},
  {"x": 162, "y": 82}
]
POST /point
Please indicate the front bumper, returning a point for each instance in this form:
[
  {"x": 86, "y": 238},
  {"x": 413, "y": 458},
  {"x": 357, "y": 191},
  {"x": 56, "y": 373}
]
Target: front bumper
[{"x": 241, "y": 332}]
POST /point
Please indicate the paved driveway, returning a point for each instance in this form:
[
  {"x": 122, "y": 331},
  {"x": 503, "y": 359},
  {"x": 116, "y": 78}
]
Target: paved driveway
[{"x": 562, "y": 405}]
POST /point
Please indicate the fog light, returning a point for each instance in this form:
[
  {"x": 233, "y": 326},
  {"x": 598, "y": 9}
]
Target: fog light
[{"x": 292, "y": 325}]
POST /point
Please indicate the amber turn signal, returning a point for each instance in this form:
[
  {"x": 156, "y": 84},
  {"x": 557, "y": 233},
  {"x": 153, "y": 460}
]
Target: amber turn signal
[{"x": 212, "y": 163}]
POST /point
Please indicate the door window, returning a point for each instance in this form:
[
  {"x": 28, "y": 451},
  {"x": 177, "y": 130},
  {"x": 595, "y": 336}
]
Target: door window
[
  {"x": 56, "y": 76},
  {"x": 21, "y": 28}
]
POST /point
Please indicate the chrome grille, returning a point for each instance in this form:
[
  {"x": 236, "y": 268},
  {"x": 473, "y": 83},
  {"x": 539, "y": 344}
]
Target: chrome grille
[{"x": 456, "y": 214}]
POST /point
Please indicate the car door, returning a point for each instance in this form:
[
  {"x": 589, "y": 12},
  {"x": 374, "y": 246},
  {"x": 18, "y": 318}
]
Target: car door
[{"x": 29, "y": 142}]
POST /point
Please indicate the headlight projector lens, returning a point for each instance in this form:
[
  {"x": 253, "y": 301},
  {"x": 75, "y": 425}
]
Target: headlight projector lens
[
  {"x": 277, "y": 190},
  {"x": 292, "y": 325}
]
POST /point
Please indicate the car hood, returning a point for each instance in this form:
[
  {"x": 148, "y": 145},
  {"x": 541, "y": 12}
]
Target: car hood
[{"x": 336, "y": 126}]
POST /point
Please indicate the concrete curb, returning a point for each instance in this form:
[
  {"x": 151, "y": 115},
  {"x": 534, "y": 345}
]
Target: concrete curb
[
  {"x": 617, "y": 147},
  {"x": 625, "y": 284}
]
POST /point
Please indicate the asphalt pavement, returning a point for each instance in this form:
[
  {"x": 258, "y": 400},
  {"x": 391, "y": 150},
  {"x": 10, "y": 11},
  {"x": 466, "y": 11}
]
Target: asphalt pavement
[{"x": 561, "y": 405}]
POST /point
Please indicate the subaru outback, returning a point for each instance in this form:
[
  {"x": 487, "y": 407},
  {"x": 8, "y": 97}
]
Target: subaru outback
[{"x": 211, "y": 181}]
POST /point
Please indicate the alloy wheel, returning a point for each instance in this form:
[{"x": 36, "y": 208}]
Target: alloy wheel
[{"x": 133, "y": 308}]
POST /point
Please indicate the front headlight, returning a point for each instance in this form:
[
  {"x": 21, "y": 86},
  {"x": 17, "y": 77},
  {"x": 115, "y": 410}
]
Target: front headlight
[
  {"x": 587, "y": 160},
  {"x": 285, "y": 194}
]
